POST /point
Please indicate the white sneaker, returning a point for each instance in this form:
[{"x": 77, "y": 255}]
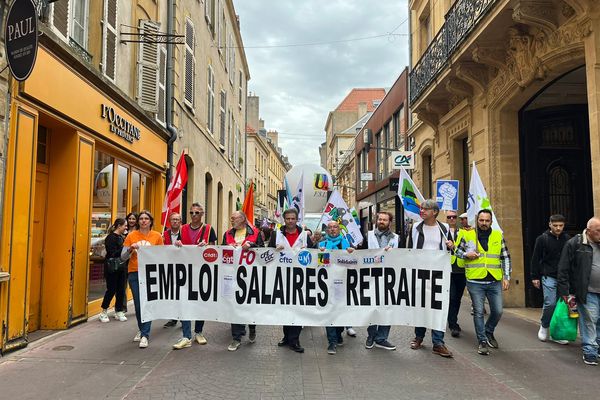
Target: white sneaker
[
  {"x": 200, "y": 338},
  {"x": 143, "y": 342},
  {"x": 137, "y": 336},
  {"x": 351, "y": 332},
  {"x": 104, "y": 316},
  {"x": 560, "y": 341},
  {"x": 182, "y": 343},
  {"x": 543, "y": 334},
  {"x": 120, "y": 316}
]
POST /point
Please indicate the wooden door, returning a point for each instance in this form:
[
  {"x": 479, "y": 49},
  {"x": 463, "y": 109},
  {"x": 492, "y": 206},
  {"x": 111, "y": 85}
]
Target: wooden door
[{"x": 37, "y": 247}]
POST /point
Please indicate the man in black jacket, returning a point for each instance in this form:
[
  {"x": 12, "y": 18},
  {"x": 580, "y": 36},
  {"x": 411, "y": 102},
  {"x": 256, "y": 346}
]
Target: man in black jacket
[
  {"x": 579, "y": 275},
  {"x": 544, "y": 265}
]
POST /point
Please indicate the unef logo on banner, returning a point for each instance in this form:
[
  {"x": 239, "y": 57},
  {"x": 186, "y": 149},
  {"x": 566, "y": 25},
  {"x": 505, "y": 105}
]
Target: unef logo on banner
[
  {"x": 403, "y": 159},
  {"x": 21, "y": 38}
]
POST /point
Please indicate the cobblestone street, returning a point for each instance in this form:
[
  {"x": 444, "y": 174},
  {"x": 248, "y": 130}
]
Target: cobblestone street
[{"x": 96, "y": 361}]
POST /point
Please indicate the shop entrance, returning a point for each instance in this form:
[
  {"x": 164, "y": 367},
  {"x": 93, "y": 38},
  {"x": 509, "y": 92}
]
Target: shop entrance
[{"x": 555, "y": 164}]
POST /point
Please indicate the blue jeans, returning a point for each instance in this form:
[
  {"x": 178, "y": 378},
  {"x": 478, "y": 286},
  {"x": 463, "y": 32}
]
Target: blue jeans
[
  {"x": 379, "y": 333},
  {"x": 589, "y": 323},
  {"x": 549, "y": 290},
  {"x": 437, "y": 337},
  {"x": 479, "y": 292},
  {"x": 143, "y": 327},
  {"x": 186, "y": 327},
  {"x": 334, "y": 334}
]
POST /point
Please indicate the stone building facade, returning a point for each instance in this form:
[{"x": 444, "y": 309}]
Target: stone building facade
[{"x": 514, "y": 87}]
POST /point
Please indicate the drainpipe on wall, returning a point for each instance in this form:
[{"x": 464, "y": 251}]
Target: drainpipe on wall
[
  {"x": 169, "y": 98},
  {"x": 6, "y": 125}
]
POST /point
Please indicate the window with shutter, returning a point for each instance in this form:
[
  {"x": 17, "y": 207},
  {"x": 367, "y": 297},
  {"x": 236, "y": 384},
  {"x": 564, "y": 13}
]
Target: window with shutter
[
  {"x": 209, "y": 14},
  {"x": 79, "y": 22},
  {"x": 147, "y": 93},
  {"x": 223, "y": 120},
  {"x": 222, "y": 35},
  {"x": 162, "y": 86},
  {"x": 109, "y": 42},
  {"x": 230, "y": 133},
  {"x": 231, "y": 59},
  {"x": 210, "y": 120},
  {"x": 241, "y": 89},
  {"x": 236, "y": 154},
  {"x": 190, "y": 64},
  {"x": 60, "y": 17}
]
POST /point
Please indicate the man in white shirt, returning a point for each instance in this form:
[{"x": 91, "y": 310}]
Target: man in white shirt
[{"x": 430, "y": 234}]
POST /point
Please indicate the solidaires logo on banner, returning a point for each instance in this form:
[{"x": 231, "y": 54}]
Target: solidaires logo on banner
[
  {"x": 21, "y": 38},
  {"x": 306, "y": 287}
]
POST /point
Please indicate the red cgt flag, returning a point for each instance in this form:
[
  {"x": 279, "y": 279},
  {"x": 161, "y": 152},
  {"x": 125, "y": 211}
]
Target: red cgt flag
[
  {"x": 248, "y": 207},
  {"x": 172, "y": 201}
]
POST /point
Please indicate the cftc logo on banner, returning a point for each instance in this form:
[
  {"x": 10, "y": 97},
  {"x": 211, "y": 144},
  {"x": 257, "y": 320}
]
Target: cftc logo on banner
[
  {"x": 403, "y": 159},
  {"x": 21, "y": 38}
]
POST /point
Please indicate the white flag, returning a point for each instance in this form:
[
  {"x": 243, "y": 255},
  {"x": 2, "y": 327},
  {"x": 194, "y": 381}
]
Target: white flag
[
  {"x": 479, "y": 200},
  {"x": 298, "y": 199},
  {"x": 410, "y": 196},
  {"x": 337, "y": 210}
]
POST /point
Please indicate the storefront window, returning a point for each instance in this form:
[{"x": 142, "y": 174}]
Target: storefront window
[
  {"x": 101, "y": 220},
  {"x": 122, "y": 191},
  {"x": 135, "y": 191},
  {"x": 147, "y": 185}
]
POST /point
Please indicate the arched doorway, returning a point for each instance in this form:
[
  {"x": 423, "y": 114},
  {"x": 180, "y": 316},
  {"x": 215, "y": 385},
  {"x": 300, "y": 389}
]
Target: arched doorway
[{"x": 555, "y": 163}]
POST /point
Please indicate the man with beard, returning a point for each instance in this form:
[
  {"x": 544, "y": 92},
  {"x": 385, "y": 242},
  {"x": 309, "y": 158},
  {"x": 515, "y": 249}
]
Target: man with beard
[{"x": 381, "y": 238}]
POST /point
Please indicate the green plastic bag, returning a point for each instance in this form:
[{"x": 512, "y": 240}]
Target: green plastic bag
[{"x": 561, "y": 326}]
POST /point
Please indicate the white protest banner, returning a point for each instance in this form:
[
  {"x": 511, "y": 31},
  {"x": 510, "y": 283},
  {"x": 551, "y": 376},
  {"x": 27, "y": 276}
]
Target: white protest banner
[
  {"x": 307, "y": 287},
  {"x": 336, "y": 209}
]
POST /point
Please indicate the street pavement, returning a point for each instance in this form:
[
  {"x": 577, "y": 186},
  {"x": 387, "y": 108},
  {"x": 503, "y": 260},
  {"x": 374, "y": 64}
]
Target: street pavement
[{"x": 99, "y": 361}]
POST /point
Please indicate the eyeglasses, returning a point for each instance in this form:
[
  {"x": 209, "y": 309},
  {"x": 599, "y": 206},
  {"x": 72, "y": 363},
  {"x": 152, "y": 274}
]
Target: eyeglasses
[
  {"x": 451, "y": 217},
  {"x": 196, "y": 212}
]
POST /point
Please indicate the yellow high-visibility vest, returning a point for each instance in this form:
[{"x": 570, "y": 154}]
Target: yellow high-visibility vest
[
  {"x": 488, "y": 261},
  {"x": 459, "y": 261}
]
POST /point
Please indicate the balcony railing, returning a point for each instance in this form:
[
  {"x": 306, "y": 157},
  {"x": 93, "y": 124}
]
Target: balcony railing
[{"x": 461, "y": 19}]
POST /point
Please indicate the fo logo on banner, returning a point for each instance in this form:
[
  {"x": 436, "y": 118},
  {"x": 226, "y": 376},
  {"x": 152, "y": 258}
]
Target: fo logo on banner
[
  {"x": 227, "y": 256},
  {"x": 210, "y": 255},
  {"x": 304, "y": 258}
]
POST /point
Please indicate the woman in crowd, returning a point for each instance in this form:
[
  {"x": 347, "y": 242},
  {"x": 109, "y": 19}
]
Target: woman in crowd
[
  {"x": 115, "y": 271},
  {"x": 132, "y": 222},
  {"x": 144, "y": 236}
]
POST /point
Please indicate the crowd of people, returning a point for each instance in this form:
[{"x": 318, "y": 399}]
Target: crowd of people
[{"x": 561, "y": 266}]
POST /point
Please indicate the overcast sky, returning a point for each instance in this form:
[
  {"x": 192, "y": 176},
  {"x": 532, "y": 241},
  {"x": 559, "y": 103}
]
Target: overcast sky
[{"x": 299, "y": 85}]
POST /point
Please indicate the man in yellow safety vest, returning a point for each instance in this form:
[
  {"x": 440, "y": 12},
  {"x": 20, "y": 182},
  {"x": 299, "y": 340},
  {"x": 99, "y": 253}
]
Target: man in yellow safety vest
[{"x": 487, "y": 269}]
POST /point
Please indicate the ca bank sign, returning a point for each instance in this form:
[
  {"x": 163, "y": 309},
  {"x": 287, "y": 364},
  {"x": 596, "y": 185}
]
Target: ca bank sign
[{"x": 403, "y": 159}]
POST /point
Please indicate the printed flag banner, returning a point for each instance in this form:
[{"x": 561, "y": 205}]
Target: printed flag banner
[
  {"x": 172, "y": 201},
  {"x": 298, "y": 199},
  {"x": 410, "y": 196},
  {"x": 306, "y": 287},
  {"x": 478, "y": 200},
  {"x": 336, "y": 209}
]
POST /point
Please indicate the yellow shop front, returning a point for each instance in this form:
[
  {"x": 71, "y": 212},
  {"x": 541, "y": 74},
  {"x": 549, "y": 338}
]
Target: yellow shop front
[{"x": 79, "y": 156}]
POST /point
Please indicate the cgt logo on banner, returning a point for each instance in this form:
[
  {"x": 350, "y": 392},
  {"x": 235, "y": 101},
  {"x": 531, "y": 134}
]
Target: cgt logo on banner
[{"x": 406, "y": 287}]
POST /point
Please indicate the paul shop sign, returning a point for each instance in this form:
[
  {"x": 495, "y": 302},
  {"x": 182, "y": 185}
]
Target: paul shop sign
[
  {"x": 119, "y": 125},
  {"x": 21, "y": 38}
]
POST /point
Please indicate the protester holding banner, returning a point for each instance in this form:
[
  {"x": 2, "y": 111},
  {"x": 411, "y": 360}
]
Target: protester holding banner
[
  {"x": 334, "y": 240},
  {"x": 457, "y": 277},
  {"x": 430, "y": 234},
  {"x": 243, "y": 235},
  {"x": 195, "y": 233},
  {"x": 144, "y": 236},
  {"x": 381, "y": 237},
  {"x": 488, "y": 269},
  {"x": 170, "y": 236},
  {"x": 291, "y": 237}
]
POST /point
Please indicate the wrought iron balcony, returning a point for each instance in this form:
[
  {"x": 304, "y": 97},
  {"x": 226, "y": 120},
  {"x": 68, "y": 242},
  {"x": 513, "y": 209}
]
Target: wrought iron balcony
[{"x": 461, "y": 19}]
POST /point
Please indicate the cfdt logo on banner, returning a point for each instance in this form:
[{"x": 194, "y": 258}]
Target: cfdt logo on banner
[{"x": 21, "y": 38}]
